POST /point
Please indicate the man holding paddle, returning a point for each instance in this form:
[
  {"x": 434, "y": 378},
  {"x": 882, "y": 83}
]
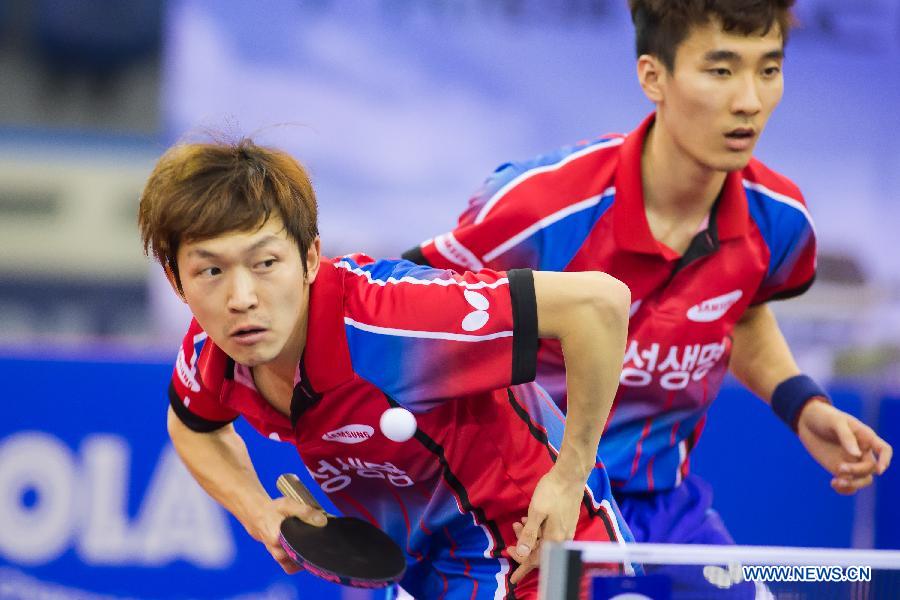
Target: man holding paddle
[{"x": 406, "y": 389}]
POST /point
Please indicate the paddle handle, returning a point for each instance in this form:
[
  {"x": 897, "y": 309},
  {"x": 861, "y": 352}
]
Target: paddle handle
[{"x": 291, "y": 486}]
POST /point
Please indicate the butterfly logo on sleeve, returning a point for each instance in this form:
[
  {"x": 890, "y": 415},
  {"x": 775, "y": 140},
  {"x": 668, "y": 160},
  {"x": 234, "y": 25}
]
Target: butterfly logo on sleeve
[{"x": 478, "y": 318}]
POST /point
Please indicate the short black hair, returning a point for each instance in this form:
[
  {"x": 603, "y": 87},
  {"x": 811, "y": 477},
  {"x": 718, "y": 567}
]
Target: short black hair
[{"x": 661, "y": 25}]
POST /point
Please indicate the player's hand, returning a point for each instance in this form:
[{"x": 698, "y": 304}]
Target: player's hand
[
  {"x": 266, "y": 527},
  {"x": 848, "y": 449},
  {"x": 552, "y": 517}
]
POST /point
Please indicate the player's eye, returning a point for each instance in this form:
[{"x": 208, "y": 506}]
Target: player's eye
[
  {"x": 719, "y": 72},
  {"x": 771, "y": 71},
  {"x": 265, "y": 265},
  {"x": 210, "y": 272}
]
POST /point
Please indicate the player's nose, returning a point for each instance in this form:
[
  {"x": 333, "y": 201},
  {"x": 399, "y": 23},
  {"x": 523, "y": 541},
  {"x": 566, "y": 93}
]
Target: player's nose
[
  {"x": 747, "y": 98},
  {"x": 241, "y": 292}
]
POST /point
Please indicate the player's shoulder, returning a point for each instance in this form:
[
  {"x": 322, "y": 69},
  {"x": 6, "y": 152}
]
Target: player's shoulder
[
  {"x": 776, "y": 205},
  {"x": 769, "y": 184},
  {"x": 531, "y": 189},
  {"x": 595, "y": 150},
  {"x": 200, "y": 366},
  {"x": 362, "y": 268}
]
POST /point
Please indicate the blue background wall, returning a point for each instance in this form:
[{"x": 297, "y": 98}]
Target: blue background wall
[{"x": 94, "y": 499}]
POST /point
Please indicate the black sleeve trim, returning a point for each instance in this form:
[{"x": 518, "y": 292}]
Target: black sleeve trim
[
  {"x": 525, "y": 325},
  {"x": 791, "y": 293},
  {"x": 415, "y": 255},
  {"x": 192, "y": 421}
]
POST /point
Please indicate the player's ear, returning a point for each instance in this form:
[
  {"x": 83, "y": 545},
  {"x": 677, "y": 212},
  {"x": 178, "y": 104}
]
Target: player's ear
[
  {"x": 313, "y": 260},
  {"x": 174, "y": 282},
  {"x": 651, "y": 74}
]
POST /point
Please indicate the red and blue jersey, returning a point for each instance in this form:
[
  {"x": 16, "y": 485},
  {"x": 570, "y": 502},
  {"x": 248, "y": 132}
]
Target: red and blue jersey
[
  {"x": 459, "y": 352},
  {"x": 582, "y": 209}
]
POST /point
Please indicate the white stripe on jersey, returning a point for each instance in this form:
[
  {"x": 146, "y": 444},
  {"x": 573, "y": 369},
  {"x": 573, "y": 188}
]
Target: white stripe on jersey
[
  {"x": 547, "y": 221},
  {"x": 450, "y": 248},
  {"x": 629, "y": 568},
  {"x": 432, "y": 335},
  {"x": 682, "y": 455},
  {"x": 792, "y": 202},
  {"x": 199, "y": 339},
  {"x": 502, "y": 591},
  {"x": 445, "y": 282},
  {"x": 491, "y": 542},
  {"x": 482, "y": 214}
]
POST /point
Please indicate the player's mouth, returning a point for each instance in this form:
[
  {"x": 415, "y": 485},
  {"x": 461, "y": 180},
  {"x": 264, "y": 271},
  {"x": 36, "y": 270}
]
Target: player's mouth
[
  {"x": 247, "y": 335},
  {"x": 740, "y": 139}
]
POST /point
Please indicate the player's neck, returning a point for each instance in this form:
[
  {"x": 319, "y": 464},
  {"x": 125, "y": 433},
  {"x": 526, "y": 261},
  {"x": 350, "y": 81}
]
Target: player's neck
[
  {"x": 675, "y": 185},
  {"x": 283, "y": 367},
  {"x": 274, "y": 380}
]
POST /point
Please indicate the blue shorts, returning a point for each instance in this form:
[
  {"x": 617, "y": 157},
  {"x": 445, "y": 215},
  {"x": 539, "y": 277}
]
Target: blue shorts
[
  {"x": 684, "y": 515},
  {"x": 478, "y": 579}
]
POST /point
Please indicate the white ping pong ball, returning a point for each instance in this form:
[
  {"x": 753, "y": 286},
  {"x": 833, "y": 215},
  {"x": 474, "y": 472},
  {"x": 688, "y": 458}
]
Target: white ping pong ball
[{"x": 397, "y": 424}]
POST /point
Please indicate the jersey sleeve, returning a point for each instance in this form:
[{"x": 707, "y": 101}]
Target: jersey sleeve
[
  {"x": 425, "y": 335},
  {"x": 534, "y": 214},
  {"x": 193, "y": 391},
  {"x": 790, "y": 235}
]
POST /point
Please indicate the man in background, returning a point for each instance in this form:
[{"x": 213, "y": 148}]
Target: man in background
[{"x": 704, "y": 235}]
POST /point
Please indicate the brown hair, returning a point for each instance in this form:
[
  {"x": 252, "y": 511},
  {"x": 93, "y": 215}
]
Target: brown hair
[
  {"x": 201, "y": 190},
  {"x": 661, "y": 25}
]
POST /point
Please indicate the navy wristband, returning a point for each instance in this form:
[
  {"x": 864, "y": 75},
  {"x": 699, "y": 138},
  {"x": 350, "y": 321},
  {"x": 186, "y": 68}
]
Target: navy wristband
[{"x": 791, "y": 396}]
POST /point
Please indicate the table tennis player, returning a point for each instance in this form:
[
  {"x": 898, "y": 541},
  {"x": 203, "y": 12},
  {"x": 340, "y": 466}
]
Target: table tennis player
[
  {"x": 704, "y": 235},
  {"x": 313, "y": 351}
]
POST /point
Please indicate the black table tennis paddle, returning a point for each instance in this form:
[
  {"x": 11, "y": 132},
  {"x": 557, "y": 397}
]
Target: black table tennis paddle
[{"x": 346, "y": 550}]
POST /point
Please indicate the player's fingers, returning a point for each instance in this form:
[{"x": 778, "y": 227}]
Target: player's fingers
[
  {"x": 867, "y": 465},
  {"x": 861, "y": 482},
  {"x": 865, "y": 435},
  {"x": 857, "y": 483},
  {"x": 284, "y": 560},
  {"x": 291, "y": 508},
  {"x": 851, "y": 486},
  {"x": 520, "y": 573},
  {"x": 884, "y": 452},
  {"x": 841, "y": 486},
  {"x": 514, "y": 554},
  {"x": 847, "y": 439},
  {"x": 864, "y": 483},
  {"x": 525, "y": 567},
  {"x": 531, "y": 557},
  {"x": 528, "y": 537},
  {"x": 290, "y": 567}
]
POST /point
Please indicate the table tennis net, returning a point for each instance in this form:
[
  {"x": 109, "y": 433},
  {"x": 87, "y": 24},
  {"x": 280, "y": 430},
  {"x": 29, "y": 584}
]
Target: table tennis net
[{"x": 604, "y": 571}]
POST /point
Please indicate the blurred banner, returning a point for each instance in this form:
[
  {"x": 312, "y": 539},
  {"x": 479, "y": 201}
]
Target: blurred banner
[{"x": 95, "y": 504}]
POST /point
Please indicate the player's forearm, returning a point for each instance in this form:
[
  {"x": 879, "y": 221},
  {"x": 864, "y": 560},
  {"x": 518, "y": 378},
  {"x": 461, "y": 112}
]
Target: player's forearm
[
  {"x": 588, "y": 313},
  {"x": 761, "y": 358},
  {"x": 221, "y": 465}
]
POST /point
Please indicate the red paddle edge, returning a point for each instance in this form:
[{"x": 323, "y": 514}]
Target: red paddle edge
[{"x": 371, "y": 584}]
